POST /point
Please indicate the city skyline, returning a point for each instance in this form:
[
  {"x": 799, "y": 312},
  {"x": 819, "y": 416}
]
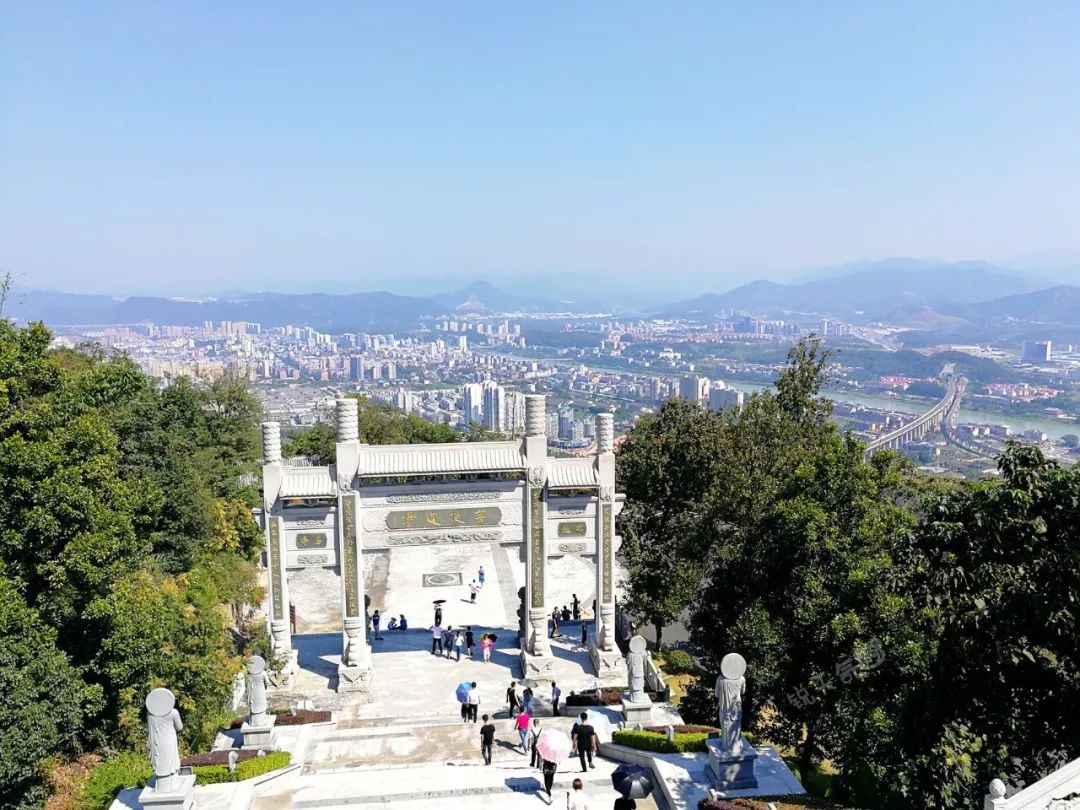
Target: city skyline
[{"x": 167, "y": 151}]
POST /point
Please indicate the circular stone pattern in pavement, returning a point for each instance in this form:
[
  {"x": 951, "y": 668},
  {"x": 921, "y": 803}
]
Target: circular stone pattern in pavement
[{"x": 441, "y": 580}]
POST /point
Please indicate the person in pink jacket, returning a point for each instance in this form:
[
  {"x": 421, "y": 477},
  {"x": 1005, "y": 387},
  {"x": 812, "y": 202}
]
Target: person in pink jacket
[{"x": 522, "y": 726}]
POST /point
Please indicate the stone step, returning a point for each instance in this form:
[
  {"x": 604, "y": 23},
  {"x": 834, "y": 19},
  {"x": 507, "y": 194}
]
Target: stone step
[{"x": 376, "y": 787}]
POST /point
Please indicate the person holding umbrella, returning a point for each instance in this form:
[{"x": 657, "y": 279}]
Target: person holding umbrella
[
  {"x": 462, "y": 695},
  {"x": 534, "y": 738},
  {"x": 553, "y": 748},
  {"x": 633, "y": 782}
]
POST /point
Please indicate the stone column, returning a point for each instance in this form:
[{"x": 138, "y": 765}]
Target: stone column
[
  {"x": 602, "y": 649},
  {"x": 536, "y": 659},
  {"x": 274, "y": 532},
  {"x": 354, "y": 671}
]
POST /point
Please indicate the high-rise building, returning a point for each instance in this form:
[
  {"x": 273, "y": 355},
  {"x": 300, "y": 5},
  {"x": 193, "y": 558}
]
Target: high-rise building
[
  {"x": 472, "y": 403},
  {"x": 566, "y": 416},
  {"x": 694, "y": 389},
  {"x": 552, "y": 425},
  {"x": 494, "y": 407},
  {"x": 721, "y": 397},
  {"x": 356, "y": 367},
  {"x": 391, "y": 370},
  {"x": 1036, "y": 351}
]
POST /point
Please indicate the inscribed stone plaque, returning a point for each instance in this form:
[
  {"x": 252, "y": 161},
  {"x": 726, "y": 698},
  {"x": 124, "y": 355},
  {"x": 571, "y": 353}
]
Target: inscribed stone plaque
[
  {"x": 444, "y": 518},
  {"x": 536, "y": 575},
  {"x": 571, "y": 548},
  {"x": 277, "y": 597},
  {"x": 311, "y": 540},
  {"x": 349, "y": 554},
  {"x": 607, "y": 552},
  {"x": 573, "y": 528}
]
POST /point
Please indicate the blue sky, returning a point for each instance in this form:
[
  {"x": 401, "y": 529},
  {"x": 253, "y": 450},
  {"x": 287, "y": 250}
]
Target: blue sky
[{"x": 191, "y": 147}]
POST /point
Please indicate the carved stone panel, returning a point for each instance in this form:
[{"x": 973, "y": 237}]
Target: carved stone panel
[
  {"x": 350, "y": 553},
  {"x": 473, "y": 516},
  {"x": 573, "y": 528},
  {"x": 305, "y": 540},
  {"x": 274, "y": 552},
  {"x": 536, "y": 547}
]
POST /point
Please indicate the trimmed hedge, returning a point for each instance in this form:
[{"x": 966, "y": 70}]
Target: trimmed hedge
[
  {"x": 249, "y": 768},
  {"x": 659, "y": 743},
  {"x": 113, "y": 775}
]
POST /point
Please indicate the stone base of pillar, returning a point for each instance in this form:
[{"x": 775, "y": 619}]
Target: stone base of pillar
[
  {"x": 732, "y": 771},
  {"x": 259, "y": 735},
  {"x": 179, "y": 796},
  {"x": 537, "y": 667},
  {"x": 636, "y": 712},
  {"x": 288, "y": 671},
  {"x": 354, "y": 679},
  {"x": 609, "y": 664}
]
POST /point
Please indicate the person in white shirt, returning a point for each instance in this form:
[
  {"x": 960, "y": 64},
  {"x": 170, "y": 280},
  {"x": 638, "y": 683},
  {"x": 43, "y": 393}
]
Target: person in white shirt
[
  {"x": 577, "y": 800},
  {"x": 473, "y": 701}
]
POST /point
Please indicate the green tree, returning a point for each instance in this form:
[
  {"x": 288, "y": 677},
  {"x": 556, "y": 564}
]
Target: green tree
[
  {"x": 318, "y": 442},
  {"x": 43, "y": 700},
  {"x": 666, "y": 467},
  {"x": 995, "y": 572},
  {"x": 1070, "y": 440}
]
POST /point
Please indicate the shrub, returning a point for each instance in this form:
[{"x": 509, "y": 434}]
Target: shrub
[
  {"x": 113, "y": 775},
  {"x": 659, "y": 743},
  {"x": 678, "y": 662},
  {"x": 763, "y": 802},
  {"x": 698, "y": 705},
  {"x": 248, "y": 769}
]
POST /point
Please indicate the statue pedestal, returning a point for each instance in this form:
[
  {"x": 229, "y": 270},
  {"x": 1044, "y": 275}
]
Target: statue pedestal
[
  {"x": 609, "y": 664},
  {"x": 354, "y": 679},
  {"x": 636, "y": 712},
  {"x": 731, "y": 770},
  {"x": 180, "y": 795},
  {"x": 537, "y": 667},
  {"x": 258, "y": 732},
  {"x": 288, "y": 671}
]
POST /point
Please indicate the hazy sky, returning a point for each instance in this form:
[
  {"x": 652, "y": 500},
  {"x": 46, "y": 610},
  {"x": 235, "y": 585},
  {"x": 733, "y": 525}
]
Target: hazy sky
[{"x": 187, "y": 147}]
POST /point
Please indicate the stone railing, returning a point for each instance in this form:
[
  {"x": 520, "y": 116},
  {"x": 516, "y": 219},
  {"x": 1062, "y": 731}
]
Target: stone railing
[
  {"x": 1059, "y": 790},
  {"x": 654, "y": 679}
]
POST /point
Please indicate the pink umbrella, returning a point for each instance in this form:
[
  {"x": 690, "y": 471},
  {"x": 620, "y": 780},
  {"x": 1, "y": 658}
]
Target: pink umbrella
[{"x": 554, "y": 746}]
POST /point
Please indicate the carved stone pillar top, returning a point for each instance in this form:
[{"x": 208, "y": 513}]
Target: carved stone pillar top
[
  {"x": 605, "y": 432},
  {"x": 348, "y": 420},
  {"x": 535, "y": 415},
  {"x": 271, "y": 439}
]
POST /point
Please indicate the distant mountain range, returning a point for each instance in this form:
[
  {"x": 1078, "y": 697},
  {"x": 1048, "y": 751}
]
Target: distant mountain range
[
  {"x": 963, "y": 298},
  {"x": 872, "y": 289},
  {"x": 370, "y": 311}
]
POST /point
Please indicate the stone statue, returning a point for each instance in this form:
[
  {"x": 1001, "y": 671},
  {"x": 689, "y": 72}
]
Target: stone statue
[
  {"x": 730, "y": 687},
  {"x": 162, "y": 724},
  {"x": 257, "y": 683},
  {"x": 635, "y": 669}
]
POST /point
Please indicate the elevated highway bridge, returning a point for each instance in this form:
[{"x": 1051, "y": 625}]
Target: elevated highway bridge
[{"x": 938, "y": 416}]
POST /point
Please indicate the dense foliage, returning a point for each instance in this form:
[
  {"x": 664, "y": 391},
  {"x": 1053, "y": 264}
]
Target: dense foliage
[
  {"x": 919, "y": 636},
  {"x": 125, "y": 535}
]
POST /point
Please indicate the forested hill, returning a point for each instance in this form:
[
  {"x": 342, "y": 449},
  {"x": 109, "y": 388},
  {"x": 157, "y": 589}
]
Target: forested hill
[{"x": 123, "y": 532}]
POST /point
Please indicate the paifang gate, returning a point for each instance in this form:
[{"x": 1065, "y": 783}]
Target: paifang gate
[{"x": 382, "y": 496}]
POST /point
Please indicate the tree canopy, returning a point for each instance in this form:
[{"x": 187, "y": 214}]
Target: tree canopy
[{"x": 124, "y": 530}]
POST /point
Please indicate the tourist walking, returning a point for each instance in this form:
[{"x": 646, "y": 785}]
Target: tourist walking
[
  {"x": 459, "y": 643},
  {"x": 548, "y": 770},
  {"x": 487, "y": 739},
  {"x": 448, "y": 640},
  {"x": 577, "y": 800},
  {"x": 438, "y": 614},
  {"x": 526, "y": 699},
  {"x": 436, "y": 638},
  {"x": 522, "y": 726},
  {"x": 534, "y": 738},
  {"x": 480, "y": 576},
  {"x": 375, "y": 619},
  {"x": 512, "y": 698},
  {"x": 554, "y": 622},
  {"x": 575, "y": 607},
  {"x": 469, "y": 639},
  {"x": 583, "y": 737},
  {"x": 473, "y": 701},
  {"x": 485, "y": 647},
  {"x": 473, "y": 588},
  {"x": 556, "y": 693},
  {"x": 584, "y": 632}
]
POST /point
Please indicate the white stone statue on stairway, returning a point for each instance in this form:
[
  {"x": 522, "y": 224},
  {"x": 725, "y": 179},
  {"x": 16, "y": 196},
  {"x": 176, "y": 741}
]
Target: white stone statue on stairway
[
  {"x": 257, "y": 683},
  {"x": 730, "y": 688},
  {"x": 162, "y": 725}
]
